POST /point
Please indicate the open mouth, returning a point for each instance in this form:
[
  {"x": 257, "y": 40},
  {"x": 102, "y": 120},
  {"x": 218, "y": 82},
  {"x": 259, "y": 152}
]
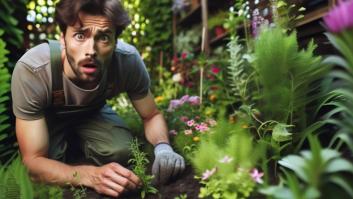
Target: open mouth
[{"x": 89, "y": 68}]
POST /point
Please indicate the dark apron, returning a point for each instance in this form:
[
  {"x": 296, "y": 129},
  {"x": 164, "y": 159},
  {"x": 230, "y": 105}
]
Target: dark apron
[{"x": 97, "y": 116}]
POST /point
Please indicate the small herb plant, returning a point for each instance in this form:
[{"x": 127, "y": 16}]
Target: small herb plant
[
  {"x": 78, "y": 192},
  {"x": 139, "y": 161}
]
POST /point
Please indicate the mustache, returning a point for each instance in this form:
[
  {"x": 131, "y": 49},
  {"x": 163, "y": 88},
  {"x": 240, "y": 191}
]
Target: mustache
[{"x": 89, "y": 61}]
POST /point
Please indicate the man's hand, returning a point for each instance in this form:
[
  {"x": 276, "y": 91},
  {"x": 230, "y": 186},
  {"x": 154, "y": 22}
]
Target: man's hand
[
  {"x": 167, "y": 163},
  {"x": 112, "y": 179}
]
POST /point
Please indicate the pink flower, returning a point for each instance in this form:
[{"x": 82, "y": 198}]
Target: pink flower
[
  {"x": 184, "y": 55},
  {"x": 194, "y": 100},
  {"x": 188, "y": 132},
  {"x": 202, "y": 127},
  {"x": 208, "y": 173},
  {"x": 173, "y": 132},
  {"x": 212, "y": 122},
  {"x": 190, "y": 123},
  {"x": 256, "y": 176},
  {"x": 215, "y": 70},
  {"x": 226, "y": 159},
  {"x": 184, "y": 118},
  {"x": 340, "y": 18}
]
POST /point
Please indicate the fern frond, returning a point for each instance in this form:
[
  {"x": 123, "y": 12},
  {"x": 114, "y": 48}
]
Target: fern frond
[{"x": 236, "y": 72}]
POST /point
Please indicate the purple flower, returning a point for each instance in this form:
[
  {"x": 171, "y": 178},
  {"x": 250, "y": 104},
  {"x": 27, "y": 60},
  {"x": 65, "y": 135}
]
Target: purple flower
[
  {"x": 184, "y": 99},
  {"x": 256, "y": 176},
  {"x": 340, "y": 18},
  {"x": 194, "y": 100},
  {"x": 173, "y": 104},
  {"x": 208, "y": 173}
]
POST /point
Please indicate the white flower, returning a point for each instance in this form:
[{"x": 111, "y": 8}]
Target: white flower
[
  {"x": 177, "y": 77},
  {"x": 226, "y": 159}
]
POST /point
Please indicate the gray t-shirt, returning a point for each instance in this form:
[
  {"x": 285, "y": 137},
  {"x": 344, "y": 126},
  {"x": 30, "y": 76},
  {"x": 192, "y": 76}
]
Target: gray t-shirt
[{"x": 31, "y": 81}]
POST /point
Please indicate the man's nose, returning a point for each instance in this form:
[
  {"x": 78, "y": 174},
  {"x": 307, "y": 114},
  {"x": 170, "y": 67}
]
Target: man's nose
[{"x": 91, "y": 48}]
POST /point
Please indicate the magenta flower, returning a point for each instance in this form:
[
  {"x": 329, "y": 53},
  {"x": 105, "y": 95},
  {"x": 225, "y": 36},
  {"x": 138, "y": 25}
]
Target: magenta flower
[
  {"x": 184, "y": 55},
  {"x": 190, "y": 123},
  {"x": 208, "y": 173},
  {"x": 215, "y": 70},
  {"x": 194, "y": 100},
  {"x": 340, "y": 18},
  {"x": 256, "y": 176}
]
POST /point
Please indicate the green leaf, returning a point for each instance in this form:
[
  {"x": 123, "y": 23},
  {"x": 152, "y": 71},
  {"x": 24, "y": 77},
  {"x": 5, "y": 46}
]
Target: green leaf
[
  {"x": 295, "y": 163},
  {"x": 338, "y": 165}
]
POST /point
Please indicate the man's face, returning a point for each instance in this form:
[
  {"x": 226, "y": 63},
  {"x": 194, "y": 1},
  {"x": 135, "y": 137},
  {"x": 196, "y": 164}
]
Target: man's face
[{"x": 89, "y": 45}]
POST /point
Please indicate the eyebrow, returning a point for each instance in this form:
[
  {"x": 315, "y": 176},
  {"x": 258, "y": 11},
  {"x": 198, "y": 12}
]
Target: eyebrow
[{"x": 83, "y": 29}]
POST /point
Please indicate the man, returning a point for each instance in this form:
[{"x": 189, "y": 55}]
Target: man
[{"x": 59, "y": 94}]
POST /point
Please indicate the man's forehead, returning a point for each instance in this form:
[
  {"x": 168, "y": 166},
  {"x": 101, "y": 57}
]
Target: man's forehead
[{"x": 88, "y": 21}]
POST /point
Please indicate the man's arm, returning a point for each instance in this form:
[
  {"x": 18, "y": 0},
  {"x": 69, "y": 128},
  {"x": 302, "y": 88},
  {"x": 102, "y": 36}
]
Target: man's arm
[
  {"x": 167, "y": 163},
  {"x": 156, "y": 130},
  {"x": 111, "y": 179}
]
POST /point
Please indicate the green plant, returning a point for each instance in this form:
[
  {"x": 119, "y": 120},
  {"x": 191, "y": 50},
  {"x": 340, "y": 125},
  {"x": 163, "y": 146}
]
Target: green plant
[
  {"x": 9, "y": 23},
  {"x": 15, "y": 182},
  {"x": 186, "y": 41},
  {"x": 225, "y": 157},
  {"x": 238, "y": 72},
  {"x": 340, "y": 97},
  {"x": 286, "y": 15},
  {"x": 318, "y": 173},
  {"x": 80, "y": 191},
  {"x": 288, "y": 78},
  {"x": 139, "y": 161},
  {"x": 6, "y": 149},
  {"x": 217, "y": 20},
  {"x": 182, "y": 196},
  {"x": 158, "y": 37}
]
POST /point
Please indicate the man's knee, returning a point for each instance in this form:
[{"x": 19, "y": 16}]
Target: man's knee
[{"x": 115, "y": 150}]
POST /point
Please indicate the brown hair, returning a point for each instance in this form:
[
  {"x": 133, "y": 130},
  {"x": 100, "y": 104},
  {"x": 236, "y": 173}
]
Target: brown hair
[{"x": 67, "y": 11}]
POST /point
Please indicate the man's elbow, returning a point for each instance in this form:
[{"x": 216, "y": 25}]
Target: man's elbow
[{"x": 29, "y": 163}]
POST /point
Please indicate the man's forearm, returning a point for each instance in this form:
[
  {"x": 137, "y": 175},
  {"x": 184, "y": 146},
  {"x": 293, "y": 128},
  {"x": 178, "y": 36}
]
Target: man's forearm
[
  {"x": 156, "y": 129},
  {"x": 54, "y": 172}
]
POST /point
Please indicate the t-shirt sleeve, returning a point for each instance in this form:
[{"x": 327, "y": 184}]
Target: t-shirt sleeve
[
  {"x": 29, "y": 92},
  {"x": 138, "y": 81}
]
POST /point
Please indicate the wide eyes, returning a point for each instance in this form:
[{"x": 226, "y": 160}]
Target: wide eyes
[
  {"x": 101, "y": 37},
  {"x": 79, "y": 36}
]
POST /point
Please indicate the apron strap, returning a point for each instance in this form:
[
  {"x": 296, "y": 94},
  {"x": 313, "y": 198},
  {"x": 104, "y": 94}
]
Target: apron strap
[{"x": 58, "y": 96}]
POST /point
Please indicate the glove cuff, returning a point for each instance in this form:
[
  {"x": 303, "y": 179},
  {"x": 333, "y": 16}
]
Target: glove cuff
[{"x": 161, "y": 147}]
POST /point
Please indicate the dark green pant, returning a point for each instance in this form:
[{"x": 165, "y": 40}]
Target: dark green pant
[{"x": 97, "y": 138}]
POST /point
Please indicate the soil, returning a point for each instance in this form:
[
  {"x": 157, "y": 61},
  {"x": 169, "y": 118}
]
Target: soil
[{"x": 184, "y": 184}]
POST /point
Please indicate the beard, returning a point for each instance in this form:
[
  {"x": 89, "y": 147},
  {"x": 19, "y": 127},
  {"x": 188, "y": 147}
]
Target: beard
[{"x": 80, "y": 77}]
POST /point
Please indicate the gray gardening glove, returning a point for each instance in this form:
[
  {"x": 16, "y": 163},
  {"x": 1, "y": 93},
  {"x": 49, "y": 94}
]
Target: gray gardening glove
[{"x": 167, "y": 163}]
